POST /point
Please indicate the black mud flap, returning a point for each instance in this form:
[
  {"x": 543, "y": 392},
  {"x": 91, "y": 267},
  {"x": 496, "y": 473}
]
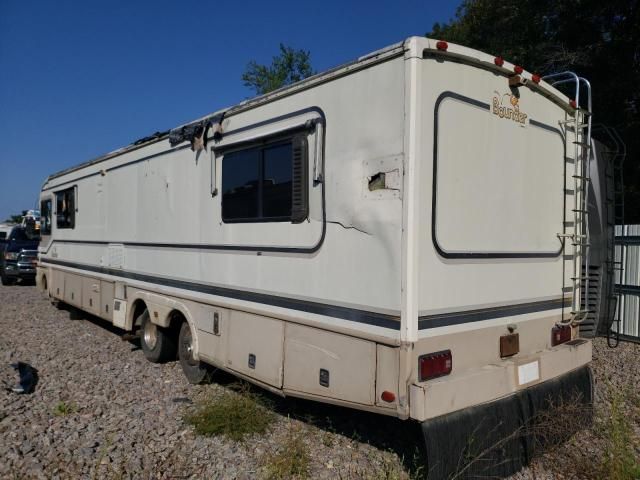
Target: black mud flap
[{"x": 496, "y": 439}]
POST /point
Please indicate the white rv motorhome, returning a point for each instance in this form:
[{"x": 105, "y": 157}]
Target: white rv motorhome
[{"x": 402, "y": 234}]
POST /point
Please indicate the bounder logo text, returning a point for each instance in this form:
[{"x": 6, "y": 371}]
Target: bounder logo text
[{"x": 506, "y": 106}]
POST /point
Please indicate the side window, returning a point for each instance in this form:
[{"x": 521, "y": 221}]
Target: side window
[
  {"x": 266, "y": 182},
  {"x": 45, "y": 217},
  {"x": 66, "y": 208}
]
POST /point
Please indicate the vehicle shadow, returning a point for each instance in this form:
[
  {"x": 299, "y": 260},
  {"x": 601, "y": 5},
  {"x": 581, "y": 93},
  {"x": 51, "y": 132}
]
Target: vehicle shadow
[
  {"x": 77, "y": 314},
  {"x": 402, "y": 437}
]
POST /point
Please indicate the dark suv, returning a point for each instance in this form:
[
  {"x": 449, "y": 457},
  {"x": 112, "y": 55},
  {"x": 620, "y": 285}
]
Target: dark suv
[{"x": 19, "y": 255}]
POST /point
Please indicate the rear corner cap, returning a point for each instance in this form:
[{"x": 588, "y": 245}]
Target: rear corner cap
[{"x": 414, "y": 45}]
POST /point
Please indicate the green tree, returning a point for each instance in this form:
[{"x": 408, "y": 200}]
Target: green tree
[
  {"x": 17, "y": 218},
  {"x": 597, "y": 39},
  {"x": 288, "y": 67}
]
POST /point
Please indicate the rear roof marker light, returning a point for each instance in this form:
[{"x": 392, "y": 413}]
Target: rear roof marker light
[
  {"x": 573, "y": 104},
  {"x": 499, "y": 61},
  {"x": 535, "y": 78},
  {"x": 518, "y": 69},
  {"x": 442, "y": 45}
]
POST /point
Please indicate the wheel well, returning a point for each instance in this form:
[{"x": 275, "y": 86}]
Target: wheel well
[
  {"x": 138, "y": 308},
  {"x": 176, "y": 317}
]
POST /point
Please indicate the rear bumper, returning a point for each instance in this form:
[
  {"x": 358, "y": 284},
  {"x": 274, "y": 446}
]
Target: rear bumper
[
  {"x": 497, "y": 439},
  {"x": 499, "y": 379}
]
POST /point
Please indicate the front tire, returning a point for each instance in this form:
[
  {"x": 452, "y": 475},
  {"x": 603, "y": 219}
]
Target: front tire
[
  {"x": 195, "y": 371},
  {"x": 158, "y": 344}
]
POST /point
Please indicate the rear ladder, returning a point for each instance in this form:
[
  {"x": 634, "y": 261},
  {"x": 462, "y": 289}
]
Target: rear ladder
[{"x": 577, "y": 130}]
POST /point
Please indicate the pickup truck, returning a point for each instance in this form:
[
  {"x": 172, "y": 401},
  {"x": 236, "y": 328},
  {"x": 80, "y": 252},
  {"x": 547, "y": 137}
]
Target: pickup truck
[{"x": 19, "y": 255}]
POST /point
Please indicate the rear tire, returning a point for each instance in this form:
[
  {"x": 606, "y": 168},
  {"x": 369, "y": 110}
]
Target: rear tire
[
  {"x": 195, "y": 371},
  {"x": 6, "y": 280},
  {"x": 158, "y": 344}
]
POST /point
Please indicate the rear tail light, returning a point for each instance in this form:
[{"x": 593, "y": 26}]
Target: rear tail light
[
  {"x": 560, "y": 334},
  {"x": 433, "y": 365},
  {"x": 442, "y": 45}
]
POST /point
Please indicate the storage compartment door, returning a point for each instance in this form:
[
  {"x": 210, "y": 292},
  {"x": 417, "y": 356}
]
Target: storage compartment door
[
  {"x": 330, "y": 365},
  {"x": 106, "y": 300},
  {"x": 57, "y": 284},
  {"x": 91, "y": 295},
  {"x": 255, "y": 347},
  {"x": 73, "y": 289}
]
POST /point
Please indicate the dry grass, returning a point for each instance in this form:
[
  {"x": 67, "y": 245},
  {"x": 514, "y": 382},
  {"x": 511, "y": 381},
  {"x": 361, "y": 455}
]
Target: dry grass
[
  {"x": 549, "y": 429},
  {"x": 619, "y": 461},
  {"x": 63, "y": 409},
  {"x": 291, "y": 461},
  {"x": 234, "y": 415}
]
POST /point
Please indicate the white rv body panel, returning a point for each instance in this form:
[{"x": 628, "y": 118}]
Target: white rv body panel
[
  {"x": 499, "y": 193},
  {"x": 342, "y": 306},
  {"x": 168, "y": 199}
]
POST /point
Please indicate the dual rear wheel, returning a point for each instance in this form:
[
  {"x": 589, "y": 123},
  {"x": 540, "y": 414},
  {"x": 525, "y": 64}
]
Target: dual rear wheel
[{"x": 160, "y": 344}]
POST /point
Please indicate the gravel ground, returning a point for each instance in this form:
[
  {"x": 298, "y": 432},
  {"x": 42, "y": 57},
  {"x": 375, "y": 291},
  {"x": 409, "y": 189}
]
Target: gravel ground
[{"x": 100, "y": 410}]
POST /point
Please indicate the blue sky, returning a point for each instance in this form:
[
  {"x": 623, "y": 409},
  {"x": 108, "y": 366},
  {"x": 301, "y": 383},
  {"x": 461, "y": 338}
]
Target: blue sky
[{"x": 79, "y": 79}]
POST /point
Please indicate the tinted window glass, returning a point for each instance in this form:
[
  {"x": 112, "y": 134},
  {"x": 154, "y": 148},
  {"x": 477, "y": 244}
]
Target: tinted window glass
[
  {"x": 66, "y": 208},
  {"x": 240, "y": 184},
  {"x": 19, "y": 235},
  {"x": 45, "y": 217},
  {"x": 257, "y": 183},
  {"x": 276, "y": 184}
]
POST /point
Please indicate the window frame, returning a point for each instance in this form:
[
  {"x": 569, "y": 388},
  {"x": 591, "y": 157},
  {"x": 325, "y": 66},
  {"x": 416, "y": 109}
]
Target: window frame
[
  {"x": 261, "y": 144},
  {"x": 74, "y": 188},
  {"x": 49, "y": 231}
]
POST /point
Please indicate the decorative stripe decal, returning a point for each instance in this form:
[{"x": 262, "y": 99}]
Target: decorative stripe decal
[
  {"x": 456, "y": 318},
  {"x": 434, "y": 189},
  {"x": 544, "y": 126},
  {"x": 352, "y": 314},
  {"x": 240, "y": 248},
  {"x": 336, "y": 311}
]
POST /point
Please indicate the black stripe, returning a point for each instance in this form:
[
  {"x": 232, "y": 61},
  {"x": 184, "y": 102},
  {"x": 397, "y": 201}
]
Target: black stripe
[
  {"x": 336, "y": 311},
  {"x": 196, "y": 246},
  {"x": 478, "y": 315},
  {"x": 467, "y": 255},
  {"x": 354, "y": 315}
]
